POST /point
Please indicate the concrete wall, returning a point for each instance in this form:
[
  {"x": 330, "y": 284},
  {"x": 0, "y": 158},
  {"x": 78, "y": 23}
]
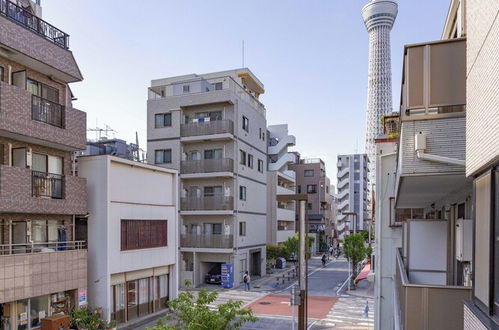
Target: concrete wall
[
  {"x": 122, "y": 189},
  {"x": 482, "y": 53}
]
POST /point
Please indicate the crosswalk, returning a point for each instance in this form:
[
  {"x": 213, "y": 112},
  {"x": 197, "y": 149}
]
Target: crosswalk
[
  {"x": 348, "y": 313},
  {"x": 246, "y": 297}
]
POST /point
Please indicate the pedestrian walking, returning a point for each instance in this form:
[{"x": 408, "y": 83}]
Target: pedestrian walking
[
  {"x": 246, "y": 280},
  {"x": 366, "y": 309},
  {"x": 324, "y": 258}
]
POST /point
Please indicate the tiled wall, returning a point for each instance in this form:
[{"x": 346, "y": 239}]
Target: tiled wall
[{"x": 31, "y": 275}]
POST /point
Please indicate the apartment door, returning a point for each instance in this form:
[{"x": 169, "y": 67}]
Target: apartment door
[
  {"x": 255, "y": 260},
  {"x": 19, "y": 236},
  {"x": 132, "y": 300}
]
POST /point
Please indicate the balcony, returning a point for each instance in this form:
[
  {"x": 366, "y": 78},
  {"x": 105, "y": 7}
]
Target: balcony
[
  {"x": 59, "y": 266},
  {"x": 213, "y": 130},
  {"x": 421, "y": 306},
  {"x": 287, "y": 214},
  {"x": 47, "y": 112},
  {"x": 197, "y": 168},
  {"x": 26, "y": 191},
  {"x": 29, "y": 118},
  {"x": 212, "y": 241},
  {"x": 283, "y": 235},
  {"x": 207, "y": 203},
  {"x": 37, "y": 44}
]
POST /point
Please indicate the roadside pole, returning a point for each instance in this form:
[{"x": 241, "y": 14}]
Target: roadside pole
[{"x": 302, "y": 320}]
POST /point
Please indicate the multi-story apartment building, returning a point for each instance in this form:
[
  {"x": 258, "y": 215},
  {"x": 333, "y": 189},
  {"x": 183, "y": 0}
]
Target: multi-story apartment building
[
  {"x": 479, "y": 21},
  {"x": 132, "y": 258},
  {"x": 212, "y": 128},
  {"x": 43, "y": 257},
  {"x": 353, "y": 197},
  {"x": 311, "y": 179},
  {"x": 280, "y": 181},
  {"x": 432, "y": 197}
]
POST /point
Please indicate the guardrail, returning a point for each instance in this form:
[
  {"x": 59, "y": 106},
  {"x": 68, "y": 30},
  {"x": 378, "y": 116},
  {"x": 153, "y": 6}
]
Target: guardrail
[
  {"x": 23, "y": 248},
  {"x": 213, "y": 241},
  {"x": 207, "y": 166},
  {"x": 47, "y": 111},
  {"x": 47, "y": 185}
]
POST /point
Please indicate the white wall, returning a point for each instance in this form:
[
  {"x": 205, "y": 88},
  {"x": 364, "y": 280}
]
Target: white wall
[{"x": 121, "y": 189}]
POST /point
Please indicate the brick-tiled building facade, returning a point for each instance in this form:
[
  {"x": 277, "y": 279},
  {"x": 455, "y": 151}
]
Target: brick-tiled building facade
[{"x": 43, "y": 204}]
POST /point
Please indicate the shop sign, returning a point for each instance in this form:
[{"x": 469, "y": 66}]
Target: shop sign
[{"x": 82, "y": 297}]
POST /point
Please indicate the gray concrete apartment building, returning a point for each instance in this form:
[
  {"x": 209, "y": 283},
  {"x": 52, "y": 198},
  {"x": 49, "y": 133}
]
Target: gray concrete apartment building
[
  {"x": 280, "y": 181},
  {"x": 212, "y": 128},
  {"x": 353, "y": 196},
  {"x": 43, "y": 256},
  {"x": 311, "y": 179}
]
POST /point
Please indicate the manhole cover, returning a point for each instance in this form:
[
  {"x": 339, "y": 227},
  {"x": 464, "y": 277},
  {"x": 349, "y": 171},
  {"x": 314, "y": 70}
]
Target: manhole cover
[{"x": 264, "y": 303}]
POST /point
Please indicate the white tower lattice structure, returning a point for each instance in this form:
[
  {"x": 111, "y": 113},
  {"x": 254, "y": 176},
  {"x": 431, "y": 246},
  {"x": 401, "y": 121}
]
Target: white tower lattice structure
[{"x": 379, "y": 16}]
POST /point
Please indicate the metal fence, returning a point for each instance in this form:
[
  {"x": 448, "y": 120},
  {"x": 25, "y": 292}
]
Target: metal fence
[
  {"x": 47, "y": 112},
  {"x": 47, "y": 185}
]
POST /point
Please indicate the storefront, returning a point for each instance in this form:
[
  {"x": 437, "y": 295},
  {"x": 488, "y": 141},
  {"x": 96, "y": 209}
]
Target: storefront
[
  {"x": 137, "y": 294},
  {"x": 27, "y": 314}
]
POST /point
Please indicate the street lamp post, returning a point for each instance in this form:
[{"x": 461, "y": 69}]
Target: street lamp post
[{"x": 302, "y": 268}]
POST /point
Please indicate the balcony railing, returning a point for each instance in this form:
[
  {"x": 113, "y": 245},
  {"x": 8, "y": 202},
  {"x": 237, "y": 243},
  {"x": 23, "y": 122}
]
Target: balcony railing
[
  {"x": 207, "y": 166},
  {"x": 47, "y": 111},
  {"x": 6, "y": 249},
  {"x": 213, "y": 241},
  {"x": 47, "y": 185},
  {"x": 207, "y": 128},
  {"x": 422, "y": 306},
  {"x": 34, "y": 24},
  {"x": 207, "y": 203}
]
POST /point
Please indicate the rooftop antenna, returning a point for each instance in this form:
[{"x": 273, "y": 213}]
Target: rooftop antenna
[{"x": 243, "y": 53}]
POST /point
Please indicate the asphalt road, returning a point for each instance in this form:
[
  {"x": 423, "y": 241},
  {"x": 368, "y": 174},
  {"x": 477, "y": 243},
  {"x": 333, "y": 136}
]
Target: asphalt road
[{"x": 321, "y": 282}]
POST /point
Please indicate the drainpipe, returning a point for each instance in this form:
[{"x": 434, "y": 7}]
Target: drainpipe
[{"x": 420, "y": 147}]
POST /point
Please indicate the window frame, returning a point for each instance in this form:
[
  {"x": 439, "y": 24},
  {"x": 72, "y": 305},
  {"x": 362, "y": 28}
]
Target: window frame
[
  {"x": 242, "y": 157},
  {"x": 311, "y": 191},
  {"x": 245, "y": 123},
  {"x": 242, "y": 228},
  {"x": 164, "y": 152},
  {"x": 260, "y": 165},
  {"x": 186, "y": 89},
  {"x": 242, "y": 193},
  {"x": 308, "y": 171},
  {"x": 139, "y": 234},
  {"x": 163, "y": 115},
  {"x": 250, "y": 160}
]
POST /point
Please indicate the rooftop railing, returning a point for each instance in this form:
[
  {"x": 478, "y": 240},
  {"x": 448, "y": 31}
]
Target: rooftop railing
[
  {"x": 23, "y": 248},
  {"x": 33, "y": 23}
]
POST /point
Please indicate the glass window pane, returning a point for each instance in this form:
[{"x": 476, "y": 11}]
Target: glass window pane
[
  {"x": 19, "y": 157},
  {"x": 39, "y": 231},
  {"x": 158, "y": 156},
  {"x": 39, "y": 310},
  {"x": 158, "y": 120},
  {"x": 50, "y": 93},
  {"x": 33, "y": 87},
  {"x": 39, "y": 162},
  {"x": 217, "y": 228},
  {"x": 168, "y": 156}
]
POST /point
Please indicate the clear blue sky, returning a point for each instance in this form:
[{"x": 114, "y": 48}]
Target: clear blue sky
[{"x": 311, "y": 55}]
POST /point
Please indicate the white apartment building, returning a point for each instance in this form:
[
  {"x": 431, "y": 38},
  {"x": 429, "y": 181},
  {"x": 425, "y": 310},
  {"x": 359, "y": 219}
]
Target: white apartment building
[
  {"x": 352, "y": 194},
  {"x": 280, "y": 181},
  {"x": 132, "y": 234},
  {"x": 212, "y": 128}
]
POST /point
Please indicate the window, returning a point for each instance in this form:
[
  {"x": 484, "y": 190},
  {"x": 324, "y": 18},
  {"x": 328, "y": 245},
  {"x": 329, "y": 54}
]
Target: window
[
  {"x": 250, "y": 160},
  {"x": 311, "y": 188},
  {"x": 263, "y": 136},
  {"x": 19, "y": 157},
  {"x": 260, "y": 166},
  {"x": 242, "y": 228},
  {"x": 162, "y": 120},
  {"x": 186, "y": 88},
  {"x": 260, "y": 133},
  {"x": 242, "y": 193},
  {"x": 242, "y": 156},
  {"x": 41, "y": 90},
  {"x": 245, "y": 124},
  {"x": 1, "y": 73},
  {"x": 218, "y": 86},
  {"x": 163, "y": 156},
  {"x": 308, "y": 173},
  {"x": 143, "y": 234},
  {"x": 213, "y": 154},
  {"x": 212, "y": 228},
  {"x": 212, "y": 191},
  {"x": 298, "y": 189}
]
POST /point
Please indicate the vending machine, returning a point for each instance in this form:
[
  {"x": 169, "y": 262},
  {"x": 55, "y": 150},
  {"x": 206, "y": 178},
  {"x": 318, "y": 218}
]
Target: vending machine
[{"x": 227, "y": 275}]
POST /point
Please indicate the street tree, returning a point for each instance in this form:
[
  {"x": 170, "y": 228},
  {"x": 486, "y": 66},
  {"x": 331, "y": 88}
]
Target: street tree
[
  {"x": 192, "y": 313},
  {"x": 355, "y": 250}
]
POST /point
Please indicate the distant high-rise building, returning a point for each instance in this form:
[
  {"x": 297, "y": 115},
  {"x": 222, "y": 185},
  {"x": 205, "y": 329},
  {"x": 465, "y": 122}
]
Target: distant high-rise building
[{"x": 379, "y": 16}]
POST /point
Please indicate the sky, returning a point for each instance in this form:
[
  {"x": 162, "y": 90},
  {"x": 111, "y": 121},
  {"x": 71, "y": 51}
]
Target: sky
[{"x": 311, "y": 55}]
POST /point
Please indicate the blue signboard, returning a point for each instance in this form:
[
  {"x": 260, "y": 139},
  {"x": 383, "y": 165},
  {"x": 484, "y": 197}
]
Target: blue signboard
[{"x": 227, "y": 275}]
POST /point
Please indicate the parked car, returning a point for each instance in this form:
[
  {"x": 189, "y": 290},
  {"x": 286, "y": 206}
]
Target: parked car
[
  {"x": 292, "y": 257},
  {"x": 214, "y": 276}
]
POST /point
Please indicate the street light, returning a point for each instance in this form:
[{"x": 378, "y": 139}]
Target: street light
[{"x": 355, "y": 220}]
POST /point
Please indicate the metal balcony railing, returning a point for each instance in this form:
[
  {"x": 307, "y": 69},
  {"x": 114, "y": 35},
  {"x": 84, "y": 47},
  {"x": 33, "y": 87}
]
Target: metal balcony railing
[
  {"x": 207, "y": 128},
  {"x": 47, "y": 111},
  {"x": 207, "y": 203},
  {"x": 47, "y": 185},
  {"x": 207, "y": 166},
  {"x": 213, "y": 241},
  {"x": 15, "y": 248},
  {"x": 34, "y": 24}
]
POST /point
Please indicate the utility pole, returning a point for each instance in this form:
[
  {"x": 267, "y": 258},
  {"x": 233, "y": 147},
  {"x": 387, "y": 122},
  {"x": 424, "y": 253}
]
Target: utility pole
[{"x": 302, "y": 255}]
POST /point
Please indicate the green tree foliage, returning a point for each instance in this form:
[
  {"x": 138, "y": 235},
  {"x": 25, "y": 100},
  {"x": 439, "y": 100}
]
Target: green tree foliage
[
  {"x": 191, "y": 313},
  {"x": 355, "y": 250},
  {"x": 276, "y": 251},
  {"x": 292, "y": 244}
]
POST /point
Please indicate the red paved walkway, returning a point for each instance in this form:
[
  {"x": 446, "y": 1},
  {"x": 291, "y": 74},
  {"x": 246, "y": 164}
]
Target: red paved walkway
[{"x": 278, "y": 304}]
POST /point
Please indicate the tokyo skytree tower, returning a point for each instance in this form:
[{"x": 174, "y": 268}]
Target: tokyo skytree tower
[{"x": 379, "y": 16}]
